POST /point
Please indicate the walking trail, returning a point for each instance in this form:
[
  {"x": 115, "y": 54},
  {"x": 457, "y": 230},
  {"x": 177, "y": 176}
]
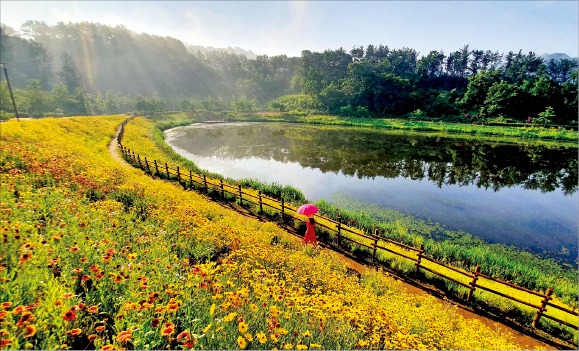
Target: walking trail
[{"x": 526, "y": 340}]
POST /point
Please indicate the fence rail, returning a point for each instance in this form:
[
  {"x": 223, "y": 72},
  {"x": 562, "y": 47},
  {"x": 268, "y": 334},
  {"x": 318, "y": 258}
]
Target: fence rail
[{"x": 355, "y": 236}]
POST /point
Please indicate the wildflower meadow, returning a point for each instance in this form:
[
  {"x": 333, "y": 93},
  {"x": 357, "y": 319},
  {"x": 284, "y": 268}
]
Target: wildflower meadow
[{"x": 98, "y": 255}]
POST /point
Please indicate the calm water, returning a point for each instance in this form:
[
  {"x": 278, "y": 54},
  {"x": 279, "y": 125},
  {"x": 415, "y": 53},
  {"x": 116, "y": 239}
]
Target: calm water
[{"x": 511, "y": 194}]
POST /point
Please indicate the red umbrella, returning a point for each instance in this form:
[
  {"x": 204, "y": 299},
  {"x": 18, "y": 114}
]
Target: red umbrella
[{"x": 307, "y": 209}]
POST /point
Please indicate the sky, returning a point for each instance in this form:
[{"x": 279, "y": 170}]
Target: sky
[{"x": 288, "y": 27}]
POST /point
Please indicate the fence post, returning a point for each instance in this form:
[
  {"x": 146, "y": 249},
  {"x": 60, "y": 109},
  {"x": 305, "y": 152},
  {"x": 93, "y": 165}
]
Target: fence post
[
  {"x": 339, "y": 231},
  {"x": 282, "y": 208},
  {"x": 240, "y": 194},
  {"x": 134, "y": 159},
  {"x": 543, "y": 307},
  {"x": 190, "y": 180},
  {"x": 375, "y": 244},
  {"x": 205, "y": 184},
  {"x": 178, "y": 175},
  {"x": 147, "y": 163},
  {"x": 221, "y": 185},
  {"x": 420, "y": 252},
  {"x": 139, "y": 160},
  {"x": 156, "y": 167},
  {"x": 260, "y": 202},
  {"x": 473, "y": 283},
  {"x": 167, "y": 171}
]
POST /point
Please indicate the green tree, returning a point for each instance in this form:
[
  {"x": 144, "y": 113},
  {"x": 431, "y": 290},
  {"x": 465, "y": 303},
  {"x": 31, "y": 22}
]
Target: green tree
[
  {"x": 35, "y": 102},
  {"x": 477, "y": 89}
]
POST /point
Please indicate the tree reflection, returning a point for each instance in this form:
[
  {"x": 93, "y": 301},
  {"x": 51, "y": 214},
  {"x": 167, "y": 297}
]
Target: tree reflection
[{"x": 372, "y": 153}]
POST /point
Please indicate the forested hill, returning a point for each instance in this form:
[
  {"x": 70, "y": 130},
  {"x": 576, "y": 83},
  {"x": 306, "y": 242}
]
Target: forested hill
[
  {"x": 108, "y": 59},
  {"x": 88, "y": 68}
]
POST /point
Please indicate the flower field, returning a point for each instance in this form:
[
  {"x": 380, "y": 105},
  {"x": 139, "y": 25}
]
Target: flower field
[{"x": 100, "y": 256}]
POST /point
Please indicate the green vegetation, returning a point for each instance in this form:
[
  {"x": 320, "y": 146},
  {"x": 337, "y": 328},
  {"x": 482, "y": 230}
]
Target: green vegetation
[
  {"x": 459, "y": 248},
  {"x": 470, "y": 86}
]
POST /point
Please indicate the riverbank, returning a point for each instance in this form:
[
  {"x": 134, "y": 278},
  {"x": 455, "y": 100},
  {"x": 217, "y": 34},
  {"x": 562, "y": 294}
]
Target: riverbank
[{"x": 508, "y": 134}]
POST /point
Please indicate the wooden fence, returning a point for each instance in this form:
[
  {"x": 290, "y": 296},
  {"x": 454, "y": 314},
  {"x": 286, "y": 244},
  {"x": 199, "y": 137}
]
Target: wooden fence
[{"x": 376, "y": 245}]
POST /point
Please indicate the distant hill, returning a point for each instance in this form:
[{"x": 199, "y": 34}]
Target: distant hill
[
  {"x": 110, "y": 59},
  {"x": 204, "y": 50},
  {"x": 556, "y": 56}
]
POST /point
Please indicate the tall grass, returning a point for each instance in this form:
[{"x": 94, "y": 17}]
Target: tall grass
[{"x": 462, "y": 249}]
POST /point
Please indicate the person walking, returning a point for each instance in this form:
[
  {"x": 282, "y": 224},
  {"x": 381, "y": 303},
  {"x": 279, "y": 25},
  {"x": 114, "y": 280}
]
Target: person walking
[
  {"x": 309, "y": 210},
  {"x": 310, "y": 236}
]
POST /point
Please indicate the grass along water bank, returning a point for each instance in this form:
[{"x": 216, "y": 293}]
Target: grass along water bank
[
  {"x": 98, "y": 255},
  {"x": 495, "y": 133}
]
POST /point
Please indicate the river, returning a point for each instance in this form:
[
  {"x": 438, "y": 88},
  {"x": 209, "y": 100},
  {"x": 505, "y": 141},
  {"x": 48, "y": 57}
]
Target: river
[{"x": 520, "y": 195}]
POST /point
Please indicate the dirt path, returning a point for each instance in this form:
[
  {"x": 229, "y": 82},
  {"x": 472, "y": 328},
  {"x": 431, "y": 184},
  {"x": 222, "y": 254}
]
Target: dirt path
[{"x": 526, "y": 341}]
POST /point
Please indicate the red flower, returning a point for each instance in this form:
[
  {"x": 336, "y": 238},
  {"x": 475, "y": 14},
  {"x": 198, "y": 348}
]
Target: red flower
[
  {"x": 29, "y": 331},
  {"x": 155, "y": 322},
  {"x": 184, "y": 336},
  {"x": 168, "y": 329},
  {"x": 69, "y": 315}
]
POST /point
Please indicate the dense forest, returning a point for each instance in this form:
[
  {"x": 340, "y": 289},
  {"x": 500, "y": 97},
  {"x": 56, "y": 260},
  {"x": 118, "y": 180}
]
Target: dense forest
[{"x": 89, "y": 68}]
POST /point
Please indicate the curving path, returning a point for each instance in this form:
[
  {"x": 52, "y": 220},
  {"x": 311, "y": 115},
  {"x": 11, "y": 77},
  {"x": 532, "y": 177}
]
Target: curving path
[{"x": 526, "y": 341}]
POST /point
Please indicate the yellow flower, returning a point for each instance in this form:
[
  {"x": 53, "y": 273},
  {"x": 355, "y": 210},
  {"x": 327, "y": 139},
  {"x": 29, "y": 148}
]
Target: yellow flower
[
  {"x": 230, "y": 317},
  {"x": 273, "y": 338},
  {"x": 212, "y": 310},
  {"x": 207, "y": 328},
  {"x": 253, "y": 308},
  {"x": 241, "y": 342},
  {"x": 288, "y": 346},
  {"x": 249, "y": 337},
  {"x": 261, "y": 337},
  {"x": 243, "y": 327},
  {"x": 301, "y": 347},
  {"x": 306, "y": 334}
]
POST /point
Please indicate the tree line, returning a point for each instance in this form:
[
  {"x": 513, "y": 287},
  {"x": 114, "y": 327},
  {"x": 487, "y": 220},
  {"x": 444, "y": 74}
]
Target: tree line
[{"x": 90, "y": 68}]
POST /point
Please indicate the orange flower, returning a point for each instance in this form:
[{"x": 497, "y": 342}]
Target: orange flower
[
  {"x": 5, "y": 342},
  {"x": 25, "y": 257},
  {"x": 77, "y": 270},
  {"x": 92, "y": 337},
  {"x": 29, "y": 331},
  {"x": 74, "y": 249},
  {"x": 84, "y": 260},
  {"x": 118, "y": 279},
  {"x": 6, "y": 305},
  {"x": 94, "y": 268},
  {"x": 67, "y": 295},
  {"x": 168, "y": 329},
  {"x": 124, "y": 336},
  {"x": 26, "y": 318},
  {"x": 108, "y": 347},
  {"x": 93, "y": 309},
  {"x": 100, "y": 328},
  {"x": 85, "y": 277},
  {"x": 74, "y": 332},
  {"x": 172, "y": 307}
]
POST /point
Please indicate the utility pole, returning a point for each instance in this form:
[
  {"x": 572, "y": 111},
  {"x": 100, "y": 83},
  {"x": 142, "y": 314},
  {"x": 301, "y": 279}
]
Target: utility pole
[{"x": 10, "y": 90}]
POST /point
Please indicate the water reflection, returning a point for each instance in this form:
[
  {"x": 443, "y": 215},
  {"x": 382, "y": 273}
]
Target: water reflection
[{"x": 370, "y": 154}]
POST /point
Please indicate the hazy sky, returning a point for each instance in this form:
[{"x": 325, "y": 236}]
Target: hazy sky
[{"x": 288, "y": 27}]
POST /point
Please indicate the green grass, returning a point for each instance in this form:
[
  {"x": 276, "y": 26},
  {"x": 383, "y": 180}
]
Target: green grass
[{"x": 460, "y": 249}]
